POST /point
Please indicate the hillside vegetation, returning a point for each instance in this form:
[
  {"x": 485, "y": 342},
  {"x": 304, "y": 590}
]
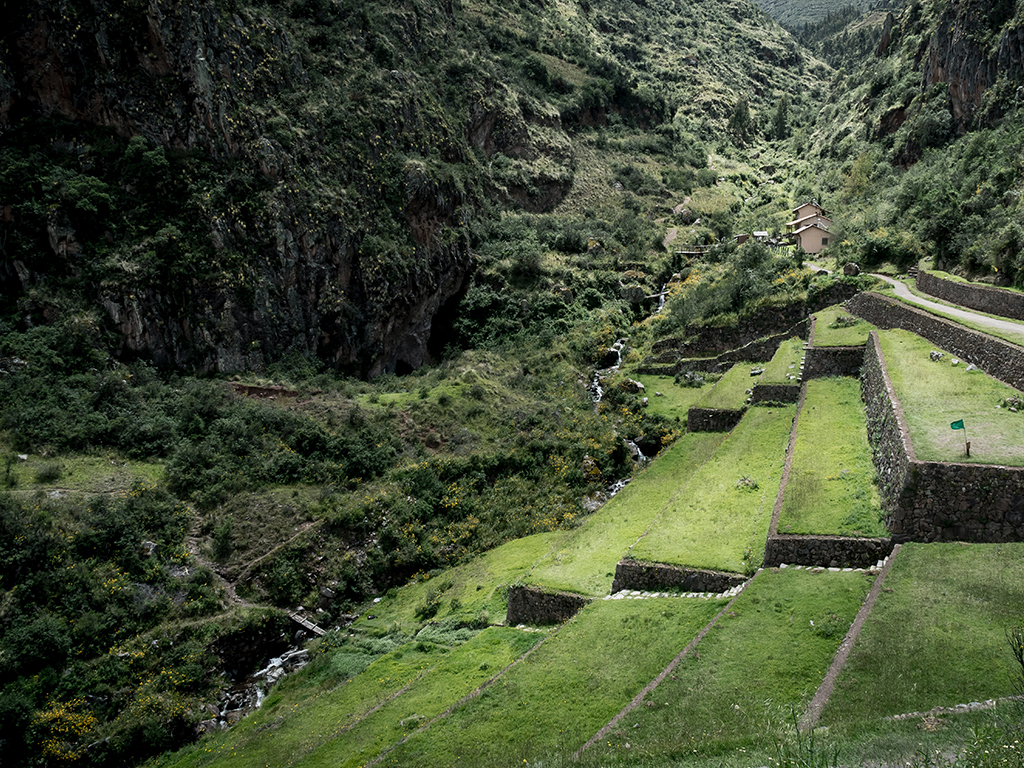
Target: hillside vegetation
[{"x": 305, "y": 306}]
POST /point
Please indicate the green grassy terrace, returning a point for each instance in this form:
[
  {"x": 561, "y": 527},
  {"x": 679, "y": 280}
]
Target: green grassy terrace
[
  {"x": 784, "y": 363},
  {"x": 767, "y": 654},
  {"x": 720, "y": 520},
  {"x": 565, "y": 691},
  {"x": 935, "y": 394},
  {"x": 831, "y": 488},
  {"x": 936, "y": 636},
  {"x": 675, "y": 400},
  {"x": 476, "y": 591},
  {"x": 585, "y": 560},
  {"x": 354, "y": 722},
  {"x": 730, "y": 391},
  {"x": 829, "y": 333}
]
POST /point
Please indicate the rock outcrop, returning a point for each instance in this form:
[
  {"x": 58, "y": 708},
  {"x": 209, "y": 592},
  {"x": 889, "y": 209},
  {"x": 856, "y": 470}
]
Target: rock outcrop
[
  {"x": 970, "y": 50},
  {"x": 342, "y": 230}
]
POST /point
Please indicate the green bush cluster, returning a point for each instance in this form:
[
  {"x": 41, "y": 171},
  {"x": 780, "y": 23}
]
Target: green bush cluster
[{"x": 83, "y": 582}]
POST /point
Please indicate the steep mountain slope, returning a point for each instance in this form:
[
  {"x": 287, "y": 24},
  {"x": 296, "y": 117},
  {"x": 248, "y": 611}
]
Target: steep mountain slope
[{"x": 219, "y": 183}]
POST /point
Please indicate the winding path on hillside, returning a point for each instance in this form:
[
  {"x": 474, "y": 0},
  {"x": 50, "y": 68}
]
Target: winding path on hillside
[{"x": 904, "y": 293}]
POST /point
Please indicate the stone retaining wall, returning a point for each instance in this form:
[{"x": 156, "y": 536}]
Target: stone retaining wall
[
  {"x": 775, "y": 393},
  {"x": 998, "y": 358},
  {"x": 832, "y": 361},
  {"x": 712, "y": 419},
  {"x": 994, "y": 301},
  {"x": 934, "y": 501},
  {"x": 656, "y": 577},
  {"x": 668, "y": 362},
  {"x": 826, "y": 551},
  {"x": 530, "y": 605},
  {"x": 768, "y": 320}
]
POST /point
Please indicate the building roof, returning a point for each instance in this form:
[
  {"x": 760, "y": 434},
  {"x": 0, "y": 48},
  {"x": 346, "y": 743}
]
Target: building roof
[
  {"x": 814, "y": 225},
  {"x": 807, "y": 219}
]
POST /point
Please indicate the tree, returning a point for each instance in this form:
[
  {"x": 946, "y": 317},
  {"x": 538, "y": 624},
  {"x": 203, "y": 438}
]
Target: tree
[
  {"x": 780, "y": 120},
  {"x": 740, "y": 123}
]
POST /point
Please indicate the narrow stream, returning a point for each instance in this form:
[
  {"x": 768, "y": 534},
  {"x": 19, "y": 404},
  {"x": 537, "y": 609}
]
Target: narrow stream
[{"x": 597, "y": 392}]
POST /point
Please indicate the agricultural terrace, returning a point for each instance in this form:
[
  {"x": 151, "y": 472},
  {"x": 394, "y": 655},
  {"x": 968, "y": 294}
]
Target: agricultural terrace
[
  {"x": 475, "y": 592},
  {"x": 675, "y": 400},
  {"x": 835, "y": 327},
  {"x": 720, "y": 520},
  {"x": 784, "y": 367},
  {"x": 785, "y": 627},
  {"x": 567, "y": 689},
  {"x": 934, "y": 394},
  {"x": 351, "y": 723},
  {"x": 730, "y": 391},
  {"x": 831, "y": 488},
  {"x": 936, "y": 636},
  {"x": 585, "y": 560}
]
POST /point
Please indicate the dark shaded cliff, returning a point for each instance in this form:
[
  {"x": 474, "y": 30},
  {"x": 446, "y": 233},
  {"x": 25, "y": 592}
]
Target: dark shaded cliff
[{"x": 225, "y": 193}]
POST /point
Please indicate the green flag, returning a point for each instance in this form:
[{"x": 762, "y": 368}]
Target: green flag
[{"x": 957, "y": 425}]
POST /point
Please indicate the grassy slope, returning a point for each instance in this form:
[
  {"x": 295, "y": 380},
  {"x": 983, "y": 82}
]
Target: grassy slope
[
  {"x": 585, "y": 561},
  {"x": 831, "y": 487},
  {"x": 340, "y": 727},
  {"x": 763, "y": 657},
  {"x": 102, "y": 473},
  {"x": 719, "y": 525},
  {"x": 848, "y": 336},
  {"x": 784, "y": 363},
  {"x": 466, "y": 590},
  {"x": 934, "y": 394},
  {"x": 730, "y": 391},
  {"x": 936, "y": 634},
  {"x": 675, "y": 401},
  {"x": 565, "y": 691}
]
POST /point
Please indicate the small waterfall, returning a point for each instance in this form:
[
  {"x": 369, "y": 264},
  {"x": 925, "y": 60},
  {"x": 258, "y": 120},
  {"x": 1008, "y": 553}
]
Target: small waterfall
[
  {"x": 635, "y": 452},
  {"x": 661, "y": 297},
  {"x": 612, "y": 360}
]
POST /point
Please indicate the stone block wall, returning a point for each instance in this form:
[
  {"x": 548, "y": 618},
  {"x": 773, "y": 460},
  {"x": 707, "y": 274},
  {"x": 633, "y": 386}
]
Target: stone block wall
[
  {"x": 775, "y": 393},
  {"x": 934, "y": 501},
  {"x": 759, "y": 351},
  {"x": 960, "y": 502},
  {"x": 832, "y": 361},
  {"x": 826, "y": 551},
  {"x": 994, "y": 301},
  {"x": 890, "y": 441},
  {"x": 712, "y": 419},
  {"x": 656, "y": 577},
  {"x": 768, "y": 320},
  {"x": 998, "y": 358},
  {"x": 530, "y": 605}
]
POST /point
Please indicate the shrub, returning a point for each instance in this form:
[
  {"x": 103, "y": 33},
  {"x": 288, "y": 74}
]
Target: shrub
[{"x": 49, "y": 472}]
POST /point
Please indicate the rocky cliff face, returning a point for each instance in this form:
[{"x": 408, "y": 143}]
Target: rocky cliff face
[
  {"x": 972, "y": 48},
  {"x": 343, "y": 230}
]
